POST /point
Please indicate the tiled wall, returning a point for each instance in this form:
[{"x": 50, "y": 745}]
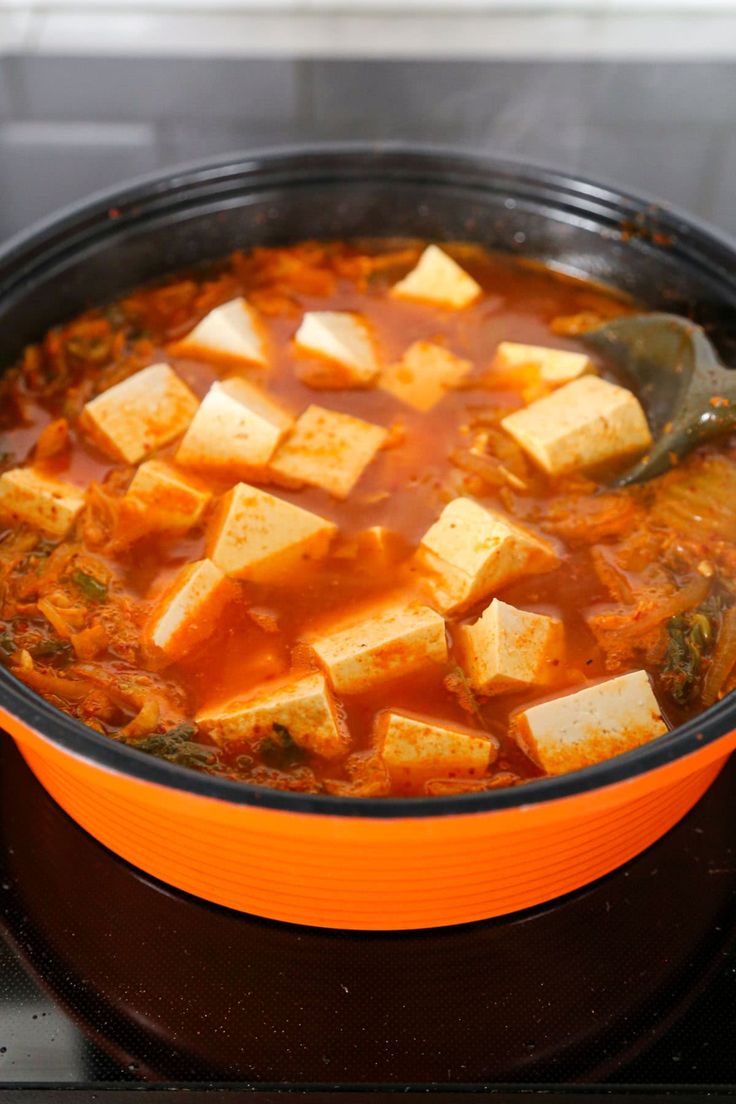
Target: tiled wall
[{"x": 69, "y": 126}]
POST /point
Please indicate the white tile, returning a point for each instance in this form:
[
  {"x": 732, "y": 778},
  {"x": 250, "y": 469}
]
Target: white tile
[
  {"x": 164, "y": 34},
  {"x": 431, "y": 30},
  {"x": 16, "y": 26}
]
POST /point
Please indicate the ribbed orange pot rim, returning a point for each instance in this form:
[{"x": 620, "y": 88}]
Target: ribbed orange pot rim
[{"x": 105, "y": 214}]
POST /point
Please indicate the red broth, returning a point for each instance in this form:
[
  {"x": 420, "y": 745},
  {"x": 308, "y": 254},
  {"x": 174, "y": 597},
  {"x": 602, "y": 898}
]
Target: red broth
[{"x": 645, "y": 575}]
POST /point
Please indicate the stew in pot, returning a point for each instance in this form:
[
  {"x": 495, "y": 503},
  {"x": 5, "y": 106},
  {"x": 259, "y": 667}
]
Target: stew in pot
[{"x": 334, "y": 518}]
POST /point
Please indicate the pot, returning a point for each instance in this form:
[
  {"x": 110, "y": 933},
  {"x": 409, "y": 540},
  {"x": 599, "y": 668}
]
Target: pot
[{"x": 354, "y": 862}]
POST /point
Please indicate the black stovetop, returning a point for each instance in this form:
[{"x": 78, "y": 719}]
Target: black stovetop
[
  {"x": 109, "y": 980},
  {"x": 107, "y": 976}
]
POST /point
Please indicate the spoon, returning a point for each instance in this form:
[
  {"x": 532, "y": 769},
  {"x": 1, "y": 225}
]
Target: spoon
[{"x": 687, "y": 394}]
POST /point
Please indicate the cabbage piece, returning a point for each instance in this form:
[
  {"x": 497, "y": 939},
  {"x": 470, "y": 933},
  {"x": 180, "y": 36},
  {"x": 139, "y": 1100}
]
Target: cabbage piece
[{"x": 698, "y": 499}]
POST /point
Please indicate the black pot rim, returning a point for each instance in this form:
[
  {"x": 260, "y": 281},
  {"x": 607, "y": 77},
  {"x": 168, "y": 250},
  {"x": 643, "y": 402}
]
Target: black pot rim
[{"x": 105, "y": 211}]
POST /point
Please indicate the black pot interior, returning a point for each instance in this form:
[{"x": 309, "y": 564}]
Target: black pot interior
[{"x": 95, "y": 252}]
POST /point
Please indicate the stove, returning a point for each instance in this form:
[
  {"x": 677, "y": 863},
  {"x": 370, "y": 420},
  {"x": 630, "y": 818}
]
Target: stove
[
  {"x": 109, "y": 981},
  {"x": 108, "y": 977}
]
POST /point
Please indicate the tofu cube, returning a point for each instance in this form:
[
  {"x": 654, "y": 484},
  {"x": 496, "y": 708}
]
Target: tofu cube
[
  {"x": 260, "y": 537},
  {"x": 472, "y": 551},
  {"x": 436, "y": 278},
  {"x": 551, "y": 366},
  {"x": 508, "y": 649},
  {"x": 593, "y": 724},
  {"x": 40, "y": 500},
  {"x": 230, "y": 333},
  {"x": 373, "y": 549},
  {"x": 415, "y": 751},
  {"x": 380, "y": 544},
  {"x": 188, "y": 611},
  {"x": 167, "y": 500},
  {"x": 235, "y": 431},
  {"x": 342, "y": 337},
  {"x": 304, "y": 706},
  {"x": 329, "y": 450},
  {"x": 391, "y": 641},
  {"x": 424, "y": 375},
  {"x": 143, "y": 413},
  {"x": 583, "y": 424}
]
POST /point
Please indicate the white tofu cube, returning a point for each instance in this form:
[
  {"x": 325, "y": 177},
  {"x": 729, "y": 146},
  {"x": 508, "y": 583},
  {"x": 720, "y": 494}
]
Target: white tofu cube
[
  {"x": 436, "y": 278},
  {"x": 373, "y": 549},
  {"x": 380, "y": 543},
  {"x": 472, "y": 551},
  {"x": 508, "y": 649},
  {"x": 389, "y": 642},
  {"x": 329, "y": 450},
  {"x": 551, "y": 366},
  {"x": 414, "y": 750},
  {"x": 41, "y": 501},
  {"x": 342, "y": 337},
  {"x": 235, "y": 432},
  {"x": 143, "y": 413},
  {"x": 424, "y": 375},
  {"x": 167, "y": 500},
  {"x": 257, "y": 536},
  {"x": 230, "y": 333},
  {"x": 188, "y": 611},
  {"x": 593, "y": 724},
  {"x": 304, "y": 706},
  {"x": 586, "y": 423}
]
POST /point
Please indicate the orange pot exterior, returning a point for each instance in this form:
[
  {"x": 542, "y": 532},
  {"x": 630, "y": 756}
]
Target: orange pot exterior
[{"x": 364, "y": 872}]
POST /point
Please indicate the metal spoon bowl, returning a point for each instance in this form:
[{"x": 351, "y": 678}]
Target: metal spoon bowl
[{"x": 688, "y": 395}]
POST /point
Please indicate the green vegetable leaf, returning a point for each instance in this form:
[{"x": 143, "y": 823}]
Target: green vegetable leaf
[
  {"x": 183, "y": 731},
  {"x": 280, "y": 750},
  {"x": 51, "y": 649},
  {"x": 690, "y": 640},
  {"x": 90, "y": 587},
  {"x": 286, "y": 740},
  {"x": 177, "y": 745}
]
